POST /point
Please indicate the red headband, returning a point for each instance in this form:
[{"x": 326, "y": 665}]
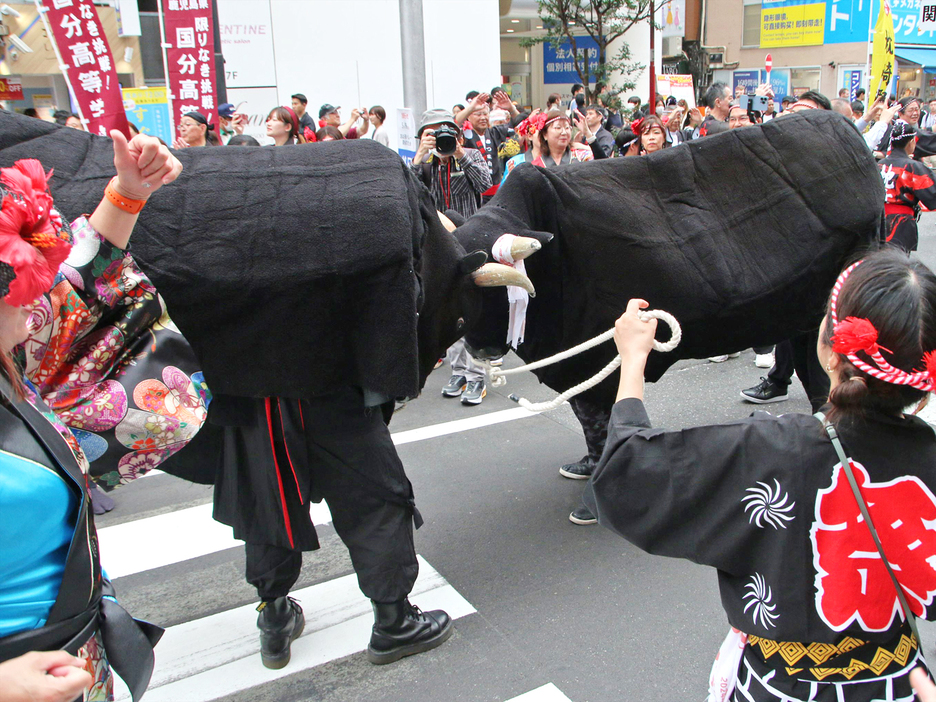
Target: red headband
[
  {"x": 295, "y": 120},
  {"x": 855, "y": 334}
]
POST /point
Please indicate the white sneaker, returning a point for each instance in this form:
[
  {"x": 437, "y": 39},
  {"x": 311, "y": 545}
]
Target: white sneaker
[
  {"x": 724, "y": 357},
  {"x": 763, "y": 360}
]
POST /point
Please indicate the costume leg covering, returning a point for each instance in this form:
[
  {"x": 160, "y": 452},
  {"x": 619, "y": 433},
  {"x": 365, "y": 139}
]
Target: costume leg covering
[
  {"x": 357, "y": 470},
  {"x": 594, "y": 419}
]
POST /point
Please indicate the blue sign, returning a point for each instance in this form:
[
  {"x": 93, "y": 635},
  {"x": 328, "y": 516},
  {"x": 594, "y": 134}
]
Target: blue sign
[
  {"x": 851, "y": 21},
  {"x": 559, "y": 64},
  {"x": 779, "y": 81},
  {"x": 749, "y": 79}
]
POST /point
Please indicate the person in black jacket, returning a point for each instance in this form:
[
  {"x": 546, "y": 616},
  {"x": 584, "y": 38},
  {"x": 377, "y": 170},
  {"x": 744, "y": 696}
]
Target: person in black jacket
[
  {"x": 907, "y": 183},
  {"x": 601, "y": 140}
]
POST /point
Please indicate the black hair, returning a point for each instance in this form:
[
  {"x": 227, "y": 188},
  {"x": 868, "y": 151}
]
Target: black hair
[
  {"x": 61, "y": 116},
  {"x": 380, "y": 112},
  {"x": 857, "y": 106},
  {"x": 816, "y": 97},
  {"x": 599, "y": 86},
  {"x": 31, "y": 112},
  {"x": 242, "y": 140},
  {"x": 577, "y": 87},
  {"x": 553, "y": 99},
  {"x": 471, "y": 95},
  {"x": 715, "y": 92},
  {"x": 328, "y": 131},
  {"x": 300, "y": 97},
  {"x": 623, "y": 140},
  {"x": 897, "y": 294},
  {"x": 859, "y": 93}
]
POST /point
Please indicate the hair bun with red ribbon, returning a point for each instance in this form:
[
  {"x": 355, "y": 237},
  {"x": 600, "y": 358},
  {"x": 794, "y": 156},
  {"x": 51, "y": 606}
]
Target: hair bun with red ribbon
[{"x": 855, "y": 334}]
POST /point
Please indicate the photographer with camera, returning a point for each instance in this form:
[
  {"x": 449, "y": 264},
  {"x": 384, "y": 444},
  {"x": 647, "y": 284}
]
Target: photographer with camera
[{"x": 456, "y": 176}]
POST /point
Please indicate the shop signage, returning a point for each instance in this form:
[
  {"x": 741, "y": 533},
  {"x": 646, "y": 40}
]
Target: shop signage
[
  {"x": 190, "y": 66},
  {"x": 672, "y": 18},
  {"x": 87, "y": 63},
  {"x": 247, "y": 43},
  {"x": 559, "y": 63},
  {"x": 11, "y": 88},
  {"x": 792, "y": 23},
  {"x": 148, "y": 109},
  {"x": 406, "y": 131},
  {"x": 679, "y": 86}
]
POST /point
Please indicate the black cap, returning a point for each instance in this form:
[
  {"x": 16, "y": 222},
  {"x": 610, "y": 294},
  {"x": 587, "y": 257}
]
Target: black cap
[
  {"x": 327, "y": 109},
  {"x": 300, "y": 97}
]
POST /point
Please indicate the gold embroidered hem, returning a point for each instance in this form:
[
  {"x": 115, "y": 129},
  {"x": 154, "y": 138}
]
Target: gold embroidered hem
[{"x": 846, "y": 659}]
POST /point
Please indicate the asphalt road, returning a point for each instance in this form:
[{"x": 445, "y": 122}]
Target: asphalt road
[{"x": 558, "y": 611}]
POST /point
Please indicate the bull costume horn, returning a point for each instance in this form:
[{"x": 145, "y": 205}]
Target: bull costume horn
[
  {"x": 446, "y": 222},
  {"x": 493, "y": 275},
  {"x": 523, "y": 246}
]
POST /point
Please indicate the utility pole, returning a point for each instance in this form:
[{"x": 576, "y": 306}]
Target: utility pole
[
  {"x": 413, "y": 47},
  {"x": 652, "y": 56}
]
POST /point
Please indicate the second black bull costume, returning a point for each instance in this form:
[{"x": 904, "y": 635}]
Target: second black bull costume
[{"x": 297, "y": 274}]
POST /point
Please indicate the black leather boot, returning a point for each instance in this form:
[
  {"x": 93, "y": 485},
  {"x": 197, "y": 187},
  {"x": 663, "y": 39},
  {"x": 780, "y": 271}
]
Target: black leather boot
[
  {"x": 401, "y": 629},
  {"x": 280, "y": 622}
]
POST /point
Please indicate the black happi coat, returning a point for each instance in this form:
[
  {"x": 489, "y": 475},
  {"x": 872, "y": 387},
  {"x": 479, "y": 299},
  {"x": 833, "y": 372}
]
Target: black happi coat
[
  {"x": 907, "y": 183},
  {"x": 765, "y": 501}
]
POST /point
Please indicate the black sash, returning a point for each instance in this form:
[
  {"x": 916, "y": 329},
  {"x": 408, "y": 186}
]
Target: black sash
[{"x": 84, "y": 602}]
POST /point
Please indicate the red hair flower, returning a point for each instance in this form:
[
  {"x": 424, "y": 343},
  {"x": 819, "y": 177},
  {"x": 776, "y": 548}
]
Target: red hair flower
[
  {"x": 855, "y": 334},
  {"x": 309, "y": 135},
  {"x": 929, "y": 358},
  {"x": 637, "y": 126},
  {"x": 33, "y": 239}
]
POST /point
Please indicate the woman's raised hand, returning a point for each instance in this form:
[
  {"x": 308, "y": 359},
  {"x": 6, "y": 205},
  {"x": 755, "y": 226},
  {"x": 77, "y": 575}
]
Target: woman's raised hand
[
  {"x": 143, "y": 165},
  {"x": 632, "y": 335}
]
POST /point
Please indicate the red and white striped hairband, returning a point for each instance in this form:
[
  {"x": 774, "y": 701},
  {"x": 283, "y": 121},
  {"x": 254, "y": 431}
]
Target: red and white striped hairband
[
  {"x": 855, "y": 334},
  {"x": 550, "y": 121}
]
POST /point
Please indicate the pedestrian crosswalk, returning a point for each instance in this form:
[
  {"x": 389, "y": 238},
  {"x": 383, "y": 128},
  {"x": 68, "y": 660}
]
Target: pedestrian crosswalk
[{"x": 216, "y": 656}]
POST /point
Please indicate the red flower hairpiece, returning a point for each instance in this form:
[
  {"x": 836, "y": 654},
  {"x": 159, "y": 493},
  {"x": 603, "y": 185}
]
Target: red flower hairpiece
[
  {"x": 33, "y": 239},
  {"x": 531, "y": 125},
  {"x": 309, "y": 135},
  {"x": 929, "y": 358},
  {"x": 856, "y": 334},
  {"x": 637, "y": 126}
]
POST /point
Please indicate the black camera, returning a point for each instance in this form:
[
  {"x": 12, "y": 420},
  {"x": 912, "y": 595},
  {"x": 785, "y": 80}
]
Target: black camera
[{"x": 446, "y": 137}]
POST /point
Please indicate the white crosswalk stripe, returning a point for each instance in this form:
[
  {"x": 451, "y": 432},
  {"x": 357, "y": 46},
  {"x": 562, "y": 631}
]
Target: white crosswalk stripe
[
  {"x": 546, "y": 693},
  {"x": 208, "y": 658}
]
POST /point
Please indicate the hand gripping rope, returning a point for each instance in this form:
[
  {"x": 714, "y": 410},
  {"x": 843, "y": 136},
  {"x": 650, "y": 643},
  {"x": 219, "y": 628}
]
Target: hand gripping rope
[{"x": 498, "y": 379}]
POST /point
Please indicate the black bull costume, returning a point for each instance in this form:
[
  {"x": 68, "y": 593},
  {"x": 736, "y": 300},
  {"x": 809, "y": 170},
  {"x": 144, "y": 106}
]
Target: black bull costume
[{"x": 269, "y": 258}]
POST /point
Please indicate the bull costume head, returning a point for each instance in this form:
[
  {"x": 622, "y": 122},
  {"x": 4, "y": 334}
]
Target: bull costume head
[{"x": 739, "y": 235}]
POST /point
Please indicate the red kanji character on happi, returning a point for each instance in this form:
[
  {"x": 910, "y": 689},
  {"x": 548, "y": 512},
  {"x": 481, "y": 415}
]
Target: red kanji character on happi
[{"x": 852, "y": 583}]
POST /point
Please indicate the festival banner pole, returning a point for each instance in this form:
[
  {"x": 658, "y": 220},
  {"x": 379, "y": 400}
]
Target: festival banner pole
[
  {"x": 163, "y": 46},
  {"x": 883, "y": 60},
  {"x": 80, "y": 47}
]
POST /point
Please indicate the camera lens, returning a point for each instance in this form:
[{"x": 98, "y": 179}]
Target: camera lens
[{"x": 446, "y": 140}]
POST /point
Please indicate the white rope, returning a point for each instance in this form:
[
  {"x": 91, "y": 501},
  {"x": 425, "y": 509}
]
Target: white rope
[{"x": 497, "y": 375}]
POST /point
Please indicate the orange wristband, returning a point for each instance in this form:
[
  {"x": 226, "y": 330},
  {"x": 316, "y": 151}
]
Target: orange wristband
[{"x": 124, "y": 203}]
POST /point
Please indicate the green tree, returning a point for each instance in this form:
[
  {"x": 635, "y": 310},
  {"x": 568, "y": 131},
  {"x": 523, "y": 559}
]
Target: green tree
[{"x": 604, "y": 21}]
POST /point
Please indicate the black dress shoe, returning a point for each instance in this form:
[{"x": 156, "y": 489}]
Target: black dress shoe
[
  {"x": 401, "y": 629},
  {"x": 280, "y": 622}
]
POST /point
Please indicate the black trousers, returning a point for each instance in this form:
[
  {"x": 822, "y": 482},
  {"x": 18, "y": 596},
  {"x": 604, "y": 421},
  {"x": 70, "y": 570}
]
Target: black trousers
[
  {"x": 901, "y": 229},
  {"x": 594, "y": 419},
  {"x": 799, "y": 354},
  {"x": 330, "y": 448}
]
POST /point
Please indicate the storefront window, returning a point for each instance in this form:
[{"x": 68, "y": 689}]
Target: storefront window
[{"x": 804, "y": 79}]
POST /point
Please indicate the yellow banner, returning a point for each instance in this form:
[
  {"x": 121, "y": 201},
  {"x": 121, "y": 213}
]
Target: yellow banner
[
  {"x": 883, "y": 62},
  {"x": 793, "y": 25}
]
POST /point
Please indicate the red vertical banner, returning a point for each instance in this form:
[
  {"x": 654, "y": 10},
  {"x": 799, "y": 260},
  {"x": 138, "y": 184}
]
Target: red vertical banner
[
  {"x": 188, "y": 29},
  {"x": 86, "y": 60}
]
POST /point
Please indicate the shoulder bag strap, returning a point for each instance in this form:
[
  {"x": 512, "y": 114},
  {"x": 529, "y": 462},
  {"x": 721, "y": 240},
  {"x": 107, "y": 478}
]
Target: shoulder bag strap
[{"x": 863, "y": 506}]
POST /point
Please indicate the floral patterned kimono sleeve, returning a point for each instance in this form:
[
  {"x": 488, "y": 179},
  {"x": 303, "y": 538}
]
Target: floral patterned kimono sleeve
[{"x": 105, "y": 357}]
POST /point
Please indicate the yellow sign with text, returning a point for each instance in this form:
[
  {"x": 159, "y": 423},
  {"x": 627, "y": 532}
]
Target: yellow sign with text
[{"x": 793, "y": 25}]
